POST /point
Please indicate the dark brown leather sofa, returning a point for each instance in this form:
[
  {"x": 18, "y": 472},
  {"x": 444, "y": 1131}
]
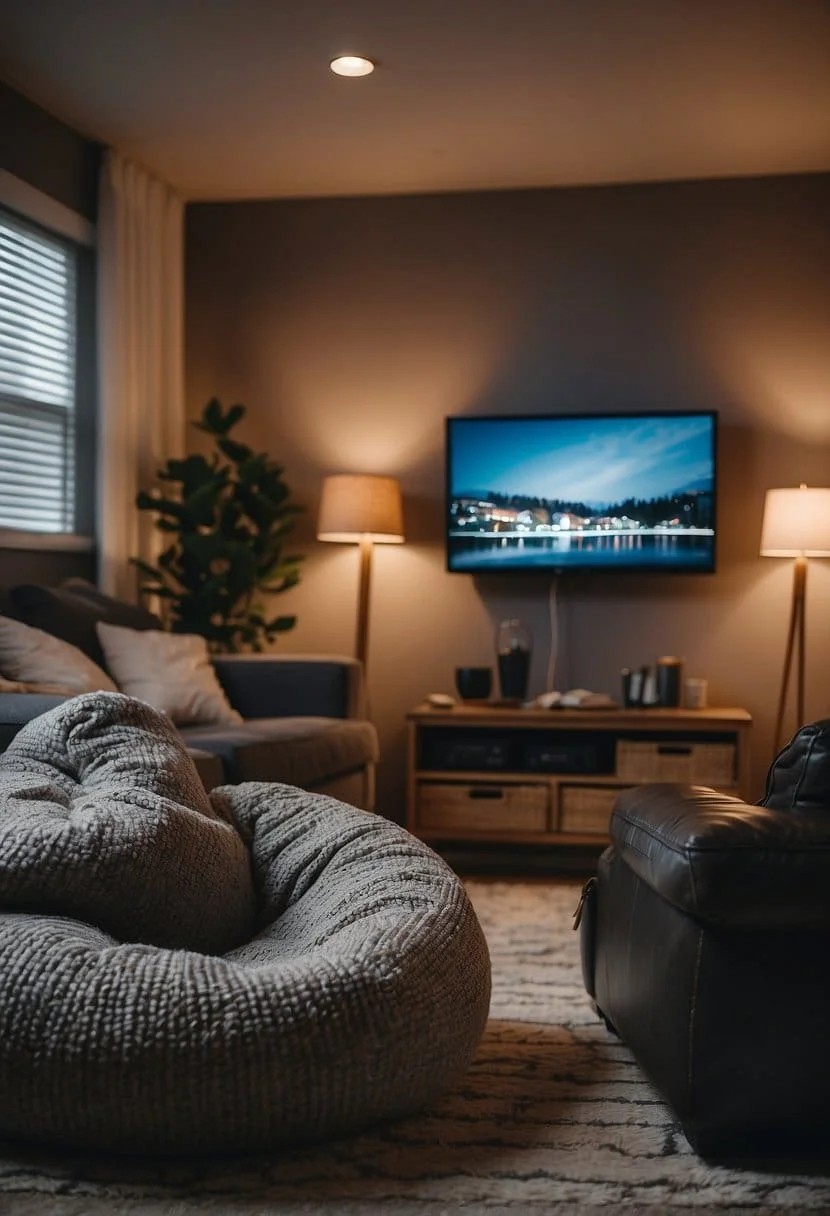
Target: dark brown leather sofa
[{"x": 706, "y": 946}]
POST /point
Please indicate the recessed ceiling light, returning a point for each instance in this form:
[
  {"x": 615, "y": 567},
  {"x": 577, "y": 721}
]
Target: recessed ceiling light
[{"x": 351, "y": 65}]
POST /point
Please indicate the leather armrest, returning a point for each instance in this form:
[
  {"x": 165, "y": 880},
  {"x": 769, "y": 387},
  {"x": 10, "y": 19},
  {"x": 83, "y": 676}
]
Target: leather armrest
[
  {"x": 724, "y": 861},
  {"x": 278, "y": 686}
]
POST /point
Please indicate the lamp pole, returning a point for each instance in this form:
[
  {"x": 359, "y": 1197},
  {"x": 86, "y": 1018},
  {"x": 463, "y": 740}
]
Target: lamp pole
[
  {"x": 795, "y": 642},
  {"x": 363, "y": 509},
  {"x": 362, "y": 643}
]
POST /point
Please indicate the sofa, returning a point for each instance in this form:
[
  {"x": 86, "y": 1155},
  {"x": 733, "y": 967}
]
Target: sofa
[
  {"x": 300, "y": 718},
  {"x": 705, "y": 937}
]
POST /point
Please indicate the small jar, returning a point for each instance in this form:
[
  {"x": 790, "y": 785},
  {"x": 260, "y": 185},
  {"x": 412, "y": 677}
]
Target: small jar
[{"x": 695, "y": 693}]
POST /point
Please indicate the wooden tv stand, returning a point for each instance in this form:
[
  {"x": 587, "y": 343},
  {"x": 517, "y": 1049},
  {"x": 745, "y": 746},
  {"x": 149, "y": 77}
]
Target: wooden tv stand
[{"x": 490, "y": 772}]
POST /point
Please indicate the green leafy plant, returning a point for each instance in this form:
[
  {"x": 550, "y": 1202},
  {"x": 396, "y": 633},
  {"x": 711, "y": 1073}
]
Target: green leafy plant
[{"x": 227, "y": 519}]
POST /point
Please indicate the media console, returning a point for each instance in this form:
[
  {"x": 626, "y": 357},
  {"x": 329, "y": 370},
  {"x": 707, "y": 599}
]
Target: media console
[{"x": 485, "y": 772}]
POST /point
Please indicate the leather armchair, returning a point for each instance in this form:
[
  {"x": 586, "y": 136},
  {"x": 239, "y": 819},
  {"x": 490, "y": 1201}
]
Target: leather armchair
[{"x": 705, "y": 942}]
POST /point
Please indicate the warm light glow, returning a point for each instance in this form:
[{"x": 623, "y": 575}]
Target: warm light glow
[
  {"x": 352, "y": 65},
  {"x": 796, "y": 523},
  {"x": 358, "y": 507}
]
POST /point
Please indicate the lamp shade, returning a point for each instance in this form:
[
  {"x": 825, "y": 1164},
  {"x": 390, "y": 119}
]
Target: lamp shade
[
  {"x": 356, "y": 506},
  {"x": 796, "y": 523}
]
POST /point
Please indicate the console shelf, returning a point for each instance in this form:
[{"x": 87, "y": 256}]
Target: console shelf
[{"x": 489, "y": 772}]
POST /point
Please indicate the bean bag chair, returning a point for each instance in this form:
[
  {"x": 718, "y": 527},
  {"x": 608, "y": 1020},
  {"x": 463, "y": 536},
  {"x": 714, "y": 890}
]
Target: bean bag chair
[{"x": 187, "y": 973}]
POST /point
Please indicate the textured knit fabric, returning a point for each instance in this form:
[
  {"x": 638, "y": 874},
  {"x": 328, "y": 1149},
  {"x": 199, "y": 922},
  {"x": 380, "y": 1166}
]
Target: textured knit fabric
[
  {"x": 103, "y": 818},
  {"x": 360, "y": 992}
]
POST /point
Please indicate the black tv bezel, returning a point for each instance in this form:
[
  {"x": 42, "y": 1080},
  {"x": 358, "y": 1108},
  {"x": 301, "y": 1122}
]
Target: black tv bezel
[{"x": 593, "y": 570}]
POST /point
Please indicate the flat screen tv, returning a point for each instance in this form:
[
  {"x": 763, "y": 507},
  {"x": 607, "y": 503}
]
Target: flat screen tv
[{"x": 588, "y": 492}]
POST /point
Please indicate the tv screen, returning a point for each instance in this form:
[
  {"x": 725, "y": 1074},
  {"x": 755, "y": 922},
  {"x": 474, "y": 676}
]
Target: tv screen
[{"x": 587, "y": 492}]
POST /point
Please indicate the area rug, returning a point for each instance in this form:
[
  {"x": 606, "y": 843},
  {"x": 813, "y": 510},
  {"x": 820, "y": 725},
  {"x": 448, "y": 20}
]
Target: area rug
[{"x": 553, "y": 1116}]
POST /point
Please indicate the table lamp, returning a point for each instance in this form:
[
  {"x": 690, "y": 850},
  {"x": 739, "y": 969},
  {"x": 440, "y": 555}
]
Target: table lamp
[
  {"x": 359, "y": 508},
  {"x": 796, "y": 524}
]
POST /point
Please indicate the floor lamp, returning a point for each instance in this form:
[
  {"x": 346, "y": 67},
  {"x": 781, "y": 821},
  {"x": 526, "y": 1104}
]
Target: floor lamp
[
  {"x": 796, "y": 524},
  {"x": 361, "y": 509}
]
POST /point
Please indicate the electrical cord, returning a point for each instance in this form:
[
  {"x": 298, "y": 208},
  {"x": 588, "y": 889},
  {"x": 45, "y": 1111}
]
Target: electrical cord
[{"x": 553, "y": 624}]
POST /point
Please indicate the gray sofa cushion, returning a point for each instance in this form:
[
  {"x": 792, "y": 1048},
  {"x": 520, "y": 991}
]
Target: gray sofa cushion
[
  {"x": 296, "y": 751},
  {"x": 277, "y": 685}
]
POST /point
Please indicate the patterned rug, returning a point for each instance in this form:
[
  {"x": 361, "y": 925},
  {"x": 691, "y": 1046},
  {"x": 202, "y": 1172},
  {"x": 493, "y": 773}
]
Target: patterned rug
[{"x": 554, "y": 1115}]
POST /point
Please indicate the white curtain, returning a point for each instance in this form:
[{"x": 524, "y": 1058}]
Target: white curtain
[{"x": 140, "y": 358}]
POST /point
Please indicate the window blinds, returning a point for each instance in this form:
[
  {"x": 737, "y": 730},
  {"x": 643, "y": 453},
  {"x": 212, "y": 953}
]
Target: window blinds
[{"x": 38, "y": 293}]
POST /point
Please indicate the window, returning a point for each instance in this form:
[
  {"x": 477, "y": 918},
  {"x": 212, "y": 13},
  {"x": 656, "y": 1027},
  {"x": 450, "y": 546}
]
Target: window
[{"x": 39, "y": 284}]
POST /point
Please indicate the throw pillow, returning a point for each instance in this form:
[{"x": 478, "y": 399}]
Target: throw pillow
[
  {"x": 170, "y": 671},
  {"x": 35, "y": 657}
]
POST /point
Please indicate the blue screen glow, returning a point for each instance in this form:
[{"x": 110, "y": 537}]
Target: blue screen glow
[{"x": 613, "y": 492}]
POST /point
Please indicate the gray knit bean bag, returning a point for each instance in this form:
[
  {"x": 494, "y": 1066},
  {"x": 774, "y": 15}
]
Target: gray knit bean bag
[{"x": 181, "y": 973}]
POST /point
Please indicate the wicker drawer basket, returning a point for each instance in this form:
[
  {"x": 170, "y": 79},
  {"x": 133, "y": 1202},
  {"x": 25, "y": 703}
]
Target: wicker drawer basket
[
  {"x": 702, "y": 763},
  {"x": 587, "y": 808},
  {"x": 483, "y": 806}
]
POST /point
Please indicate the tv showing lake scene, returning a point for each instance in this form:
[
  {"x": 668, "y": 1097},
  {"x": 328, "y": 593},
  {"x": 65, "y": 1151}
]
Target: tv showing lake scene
[{"x": 587, "y": 492}]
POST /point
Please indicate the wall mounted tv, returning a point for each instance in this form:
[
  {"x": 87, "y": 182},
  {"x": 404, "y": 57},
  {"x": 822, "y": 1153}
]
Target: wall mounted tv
[{"x": 588, "y": 492}]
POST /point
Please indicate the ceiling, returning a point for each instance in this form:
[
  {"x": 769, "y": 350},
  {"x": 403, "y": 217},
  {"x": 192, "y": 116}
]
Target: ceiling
[{"x": 233, "y": 98}]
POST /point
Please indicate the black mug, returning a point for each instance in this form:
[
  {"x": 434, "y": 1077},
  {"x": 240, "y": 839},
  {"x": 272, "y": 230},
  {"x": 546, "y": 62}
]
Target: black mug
[{"x": 474, "y": 683}]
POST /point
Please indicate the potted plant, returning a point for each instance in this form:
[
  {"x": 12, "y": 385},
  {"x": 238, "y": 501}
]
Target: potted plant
[{"x": 227, "y": 518}]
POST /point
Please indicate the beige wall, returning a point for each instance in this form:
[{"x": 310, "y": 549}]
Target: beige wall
[{"x": 352, "y": 327}]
